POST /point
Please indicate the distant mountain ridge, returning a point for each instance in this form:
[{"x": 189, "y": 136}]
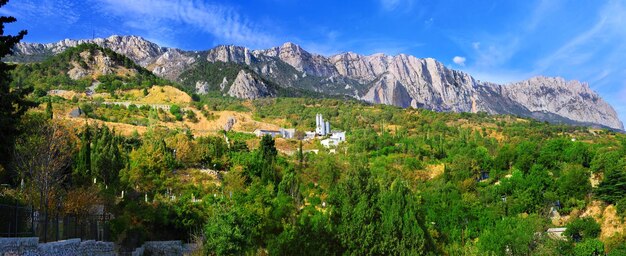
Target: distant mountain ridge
[{"x": 401, "y": 80}]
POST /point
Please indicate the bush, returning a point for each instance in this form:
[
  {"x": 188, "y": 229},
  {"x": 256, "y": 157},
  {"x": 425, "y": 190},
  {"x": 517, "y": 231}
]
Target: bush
[
  {"x": 589, "y": 247},
  {"x": 581, "y": 229},
  {"x": 176, "y": 111},
  {"x": 191, "y": 116}
]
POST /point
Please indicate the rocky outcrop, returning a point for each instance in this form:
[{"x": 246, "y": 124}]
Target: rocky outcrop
[
  {"x": 570, "y": 99},
  {"x": 247, "y": 86},
  {"x": 400, "y": 80},
  {"x": 301, "y": 60},
  {"x": 171, "y": 63},
  {"x": 202, "y": 87},
  {"x": 230, "y": 53},
  {"x": 95, "y": 64}
]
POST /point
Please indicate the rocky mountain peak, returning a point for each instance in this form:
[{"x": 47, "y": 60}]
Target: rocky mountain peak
[
  {"x": 570, "y": 99},
  {"x": 292, "y": 47}
]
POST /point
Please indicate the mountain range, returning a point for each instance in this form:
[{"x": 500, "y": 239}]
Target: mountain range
[{"x": 401, "y": 80}]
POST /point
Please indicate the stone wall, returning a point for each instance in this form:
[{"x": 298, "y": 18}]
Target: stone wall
[
  {"x": 163, "y": 248},
  {"x": 30, "y": 246}
]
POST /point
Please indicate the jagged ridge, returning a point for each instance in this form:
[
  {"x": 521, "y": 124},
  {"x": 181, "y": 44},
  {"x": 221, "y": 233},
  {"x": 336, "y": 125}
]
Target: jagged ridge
[{"x": 400, "y": 80}]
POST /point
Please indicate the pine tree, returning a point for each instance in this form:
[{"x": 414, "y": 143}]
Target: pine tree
[{"x": 13, "y": 105}]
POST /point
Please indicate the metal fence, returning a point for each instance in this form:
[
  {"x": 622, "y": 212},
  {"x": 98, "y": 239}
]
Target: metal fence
[
  {"x": 16, "y": 220},
  {"x": 22, "y": 221}
]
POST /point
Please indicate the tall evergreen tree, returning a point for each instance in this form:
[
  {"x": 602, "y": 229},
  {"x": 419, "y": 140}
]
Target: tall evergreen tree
[
  {"x": 13, "y": 105},
  {"x": 106, "y": 157},
  {"x": 268, "y": 155},
  {"x": 83, "y": 162}
]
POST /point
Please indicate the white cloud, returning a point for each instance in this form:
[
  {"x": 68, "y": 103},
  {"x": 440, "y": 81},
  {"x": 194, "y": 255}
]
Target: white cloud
[
  {"x": 221, "y": 21},
  {"x": 459, "y": 60}
]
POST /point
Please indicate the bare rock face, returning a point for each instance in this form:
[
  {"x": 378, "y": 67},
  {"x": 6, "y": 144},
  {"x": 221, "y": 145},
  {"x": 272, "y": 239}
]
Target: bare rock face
[
  {"x": 247, "y": 86},
  {"x": 171, "y": 64},
  {"x": 223, "y": 84},
  {"x": 302, "y": 60},
  {"x": 141, "y": 51},
  {"x": 570, "y": 99},
  {"x": 230, "y": 53},
  {"x": 202, "y": 87},
  {"x": 96, "y": 64},
  {"x": 408, "y": 81}
]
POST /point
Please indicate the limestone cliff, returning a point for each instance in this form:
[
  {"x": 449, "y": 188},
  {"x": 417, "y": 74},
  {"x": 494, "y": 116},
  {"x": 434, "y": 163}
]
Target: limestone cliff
[{"x": 247, "y": 86}]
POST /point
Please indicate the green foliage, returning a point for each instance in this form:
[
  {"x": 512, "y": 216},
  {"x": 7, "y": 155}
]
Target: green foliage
[
  {"x": 82, "y": 169},
  {"x": 613, "y": 187},
  {"x": 175, "y": 110},
  {"x": 49, "y": 113},
  {"x": 149, "y": 165},
  {"x": 620, "y": 207},
  {"x": 100, "y": 156},
  {"x": 581, "y": 229},
  {"x": 407, "y": 181},
  {"x": 370, "y": 220},
  {"x": 574, "y": 182},
  {"x": 589, "y": 247},
  {"x": 510, "y": 236}
]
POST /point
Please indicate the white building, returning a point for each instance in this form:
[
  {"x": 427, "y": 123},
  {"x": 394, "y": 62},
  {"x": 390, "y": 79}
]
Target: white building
[
  {"x": 321, "y": 127},
  {"x": 335, "y": 138},
  {"x": 338, "y": 135},
  {"x": 285, "y": 133},
  {"x": 262, "y": 132}
]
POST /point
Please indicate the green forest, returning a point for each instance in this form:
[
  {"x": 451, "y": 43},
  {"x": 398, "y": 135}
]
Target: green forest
[{"x": 500, "y": 177}]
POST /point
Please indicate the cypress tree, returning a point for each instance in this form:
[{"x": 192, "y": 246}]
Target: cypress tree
[{"x": 83, "y": 163}]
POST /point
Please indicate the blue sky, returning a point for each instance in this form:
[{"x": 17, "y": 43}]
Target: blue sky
[{"x": 493, "y": 40}]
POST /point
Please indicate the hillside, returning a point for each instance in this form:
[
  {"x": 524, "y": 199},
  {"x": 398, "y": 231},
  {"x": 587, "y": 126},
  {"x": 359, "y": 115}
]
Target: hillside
[
  {"x": 444, "y": 168},
  {"x": 82, "y": 66}
]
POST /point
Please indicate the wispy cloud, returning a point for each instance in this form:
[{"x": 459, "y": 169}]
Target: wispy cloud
[
  {"x": 392, "y": 5},
  {"x": 159, "y": 18},
  {"x": 36, "y": 12},
  {"x": 607, "y": 33}
]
